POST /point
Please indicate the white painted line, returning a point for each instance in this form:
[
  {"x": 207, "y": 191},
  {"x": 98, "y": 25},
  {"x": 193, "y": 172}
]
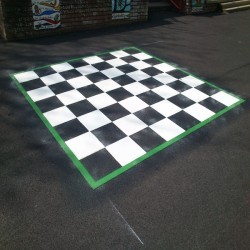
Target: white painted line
[{"x": 126, "y": 223}]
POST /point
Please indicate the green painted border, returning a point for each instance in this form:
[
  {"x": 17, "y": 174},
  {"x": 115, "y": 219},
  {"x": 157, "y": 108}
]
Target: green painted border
[{"x": 95, "y": 184}]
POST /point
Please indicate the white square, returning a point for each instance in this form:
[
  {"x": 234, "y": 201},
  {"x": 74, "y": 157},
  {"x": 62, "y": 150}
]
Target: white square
[
  {"x": 101, "y": 101},
  {"x": 165, "y": 91},
  {"x": 225, "y": 98},
  {"x": 52, "y": 79},
  {"x": 133, "y": 104},
  {"x": 61, "y": 67},
  {"x": 199, "y": 112},
  {"x": 94, "y": 120},
  {"x": 140, "y": 65},
  {"x": 167, "y": 129},
  {"x": 93, "y": 59},
  {"x": 164, "y": 67},
  {"x": 59, "y": 116},
  {"x": 26, "y": 76},
  {"x": 112, "y": 73},
  {"x": 125, "y": 151},
  {"x": 138, "y": 75},
  {"x": 84, "y": 145},
  {"x": 166, "y": 108},
  {"x": 119, "y": 53},
  {"x": 165, "y": 78},
  {"x": 80, "y": 81},
  {"x": 107, "y": 85},
  {"x": 116, "y": 62},
  {"x": 86, "y": 70},
  {"x": 195, "y": 95},
  {"x": 142, "y": 56},
  {"x": 191, "y": 81},
  {"x": 40, "y": 93},
  {"x": 130, "y": 124},
  {"x": 70, "y": 97},
  {"x": 136, "y": 88}
]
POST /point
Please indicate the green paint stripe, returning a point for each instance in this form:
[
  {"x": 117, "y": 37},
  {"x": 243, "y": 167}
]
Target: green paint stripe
[
  {"x": 184, "y": 71},
  {"x": 163, "y": 146},
  {"x": 70, "y": 60},
  {"x": 95, "y": 184},
  {"x": 58, "y": 138}
]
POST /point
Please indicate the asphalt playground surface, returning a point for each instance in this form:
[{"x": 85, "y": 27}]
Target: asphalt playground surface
[{"x": 192, "y": 195}]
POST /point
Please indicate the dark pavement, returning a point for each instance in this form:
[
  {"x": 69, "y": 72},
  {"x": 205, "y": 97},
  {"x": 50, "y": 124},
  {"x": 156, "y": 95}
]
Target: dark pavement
[{"x": 192, "y": 195}]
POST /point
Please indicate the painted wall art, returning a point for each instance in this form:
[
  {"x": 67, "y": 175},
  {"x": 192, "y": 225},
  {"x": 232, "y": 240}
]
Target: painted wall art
[
  {"x": 121, "y": 9},
  {"x": 197, "y": 5},
  {"x": 46, "y": 14}
]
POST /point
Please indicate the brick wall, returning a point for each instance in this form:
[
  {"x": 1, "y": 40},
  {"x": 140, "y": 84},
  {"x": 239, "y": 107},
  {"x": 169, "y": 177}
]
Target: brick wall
[
  {"x": 75, "y": 15},
  {"x": 2, "y": 30}
]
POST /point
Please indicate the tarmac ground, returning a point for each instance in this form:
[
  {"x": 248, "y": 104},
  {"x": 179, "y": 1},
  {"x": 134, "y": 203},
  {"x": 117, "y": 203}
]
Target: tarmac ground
[{"x": 192, "y": 195}]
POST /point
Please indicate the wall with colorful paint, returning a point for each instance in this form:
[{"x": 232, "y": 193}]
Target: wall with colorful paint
[
  {"x": 36, "y": 18},
  {"x": 46, "y": 14}
]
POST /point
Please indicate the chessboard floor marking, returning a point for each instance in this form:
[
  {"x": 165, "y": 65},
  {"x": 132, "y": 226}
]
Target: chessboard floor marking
[{"x": 113, "y": 110}]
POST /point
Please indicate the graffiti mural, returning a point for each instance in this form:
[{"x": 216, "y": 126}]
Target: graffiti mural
[
  {"x": 121, "y": 9},
  {"x": 46, "y": 14},
  {"x": 197, "y": 5}
]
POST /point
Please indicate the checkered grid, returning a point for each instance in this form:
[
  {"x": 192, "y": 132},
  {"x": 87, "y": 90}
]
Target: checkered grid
[{"x": 113, "y": 108}]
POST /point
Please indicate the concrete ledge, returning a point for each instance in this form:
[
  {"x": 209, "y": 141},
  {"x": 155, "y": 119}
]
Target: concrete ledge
[
  {"x": 238, "y": 8},
  {"x": 233, "y": 6}
]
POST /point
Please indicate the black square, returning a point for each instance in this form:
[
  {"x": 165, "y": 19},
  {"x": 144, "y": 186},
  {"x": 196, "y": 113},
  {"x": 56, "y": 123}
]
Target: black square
[
  {"x": 33, "y": 84},
  {"x": 49, "y": 104},
  {"x": 70, "y": 129},
  {"x": 152, "y": 71},
  {"x": 115, "y": 111},
  {"x": 100, "y": 164},
  {"x": 90, "y": 90},
  {"x": 177, "y": 74},
  {"x": 45, "y": 71},
  {"x": 123, "y": 80},
  {"x": 81, "y": 108},
  {"x": 127, "y": 68},
  {"x": 107, "y": 56},
  {"x": 78, "y": 63},
  {"x": 207, "y": 89},
  {"x": 69, "y": 74},
  {"x": 108, "y": 134},
  {"x": 61, "y": 87},
  {"x": 152, "y": 61},
  {"x": 102, "y": 66},
  {"x": 147, "y": 139},
  {"x": 132, "y": 51},
  {"x": 181, "y": 101},
  {"x": 97, "y": 77},
  {"x": 212, "y": 105},
  {"x": 151, "y": 83},
  {"x": 119, "y": 94},
  {"x": 149, "y": 115},
  {"x": 179, "y": 86},
  {"x": 184, "y": 120},
  {"x": 130, "y": 59},
  {"x": 150, "y": 97}
]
